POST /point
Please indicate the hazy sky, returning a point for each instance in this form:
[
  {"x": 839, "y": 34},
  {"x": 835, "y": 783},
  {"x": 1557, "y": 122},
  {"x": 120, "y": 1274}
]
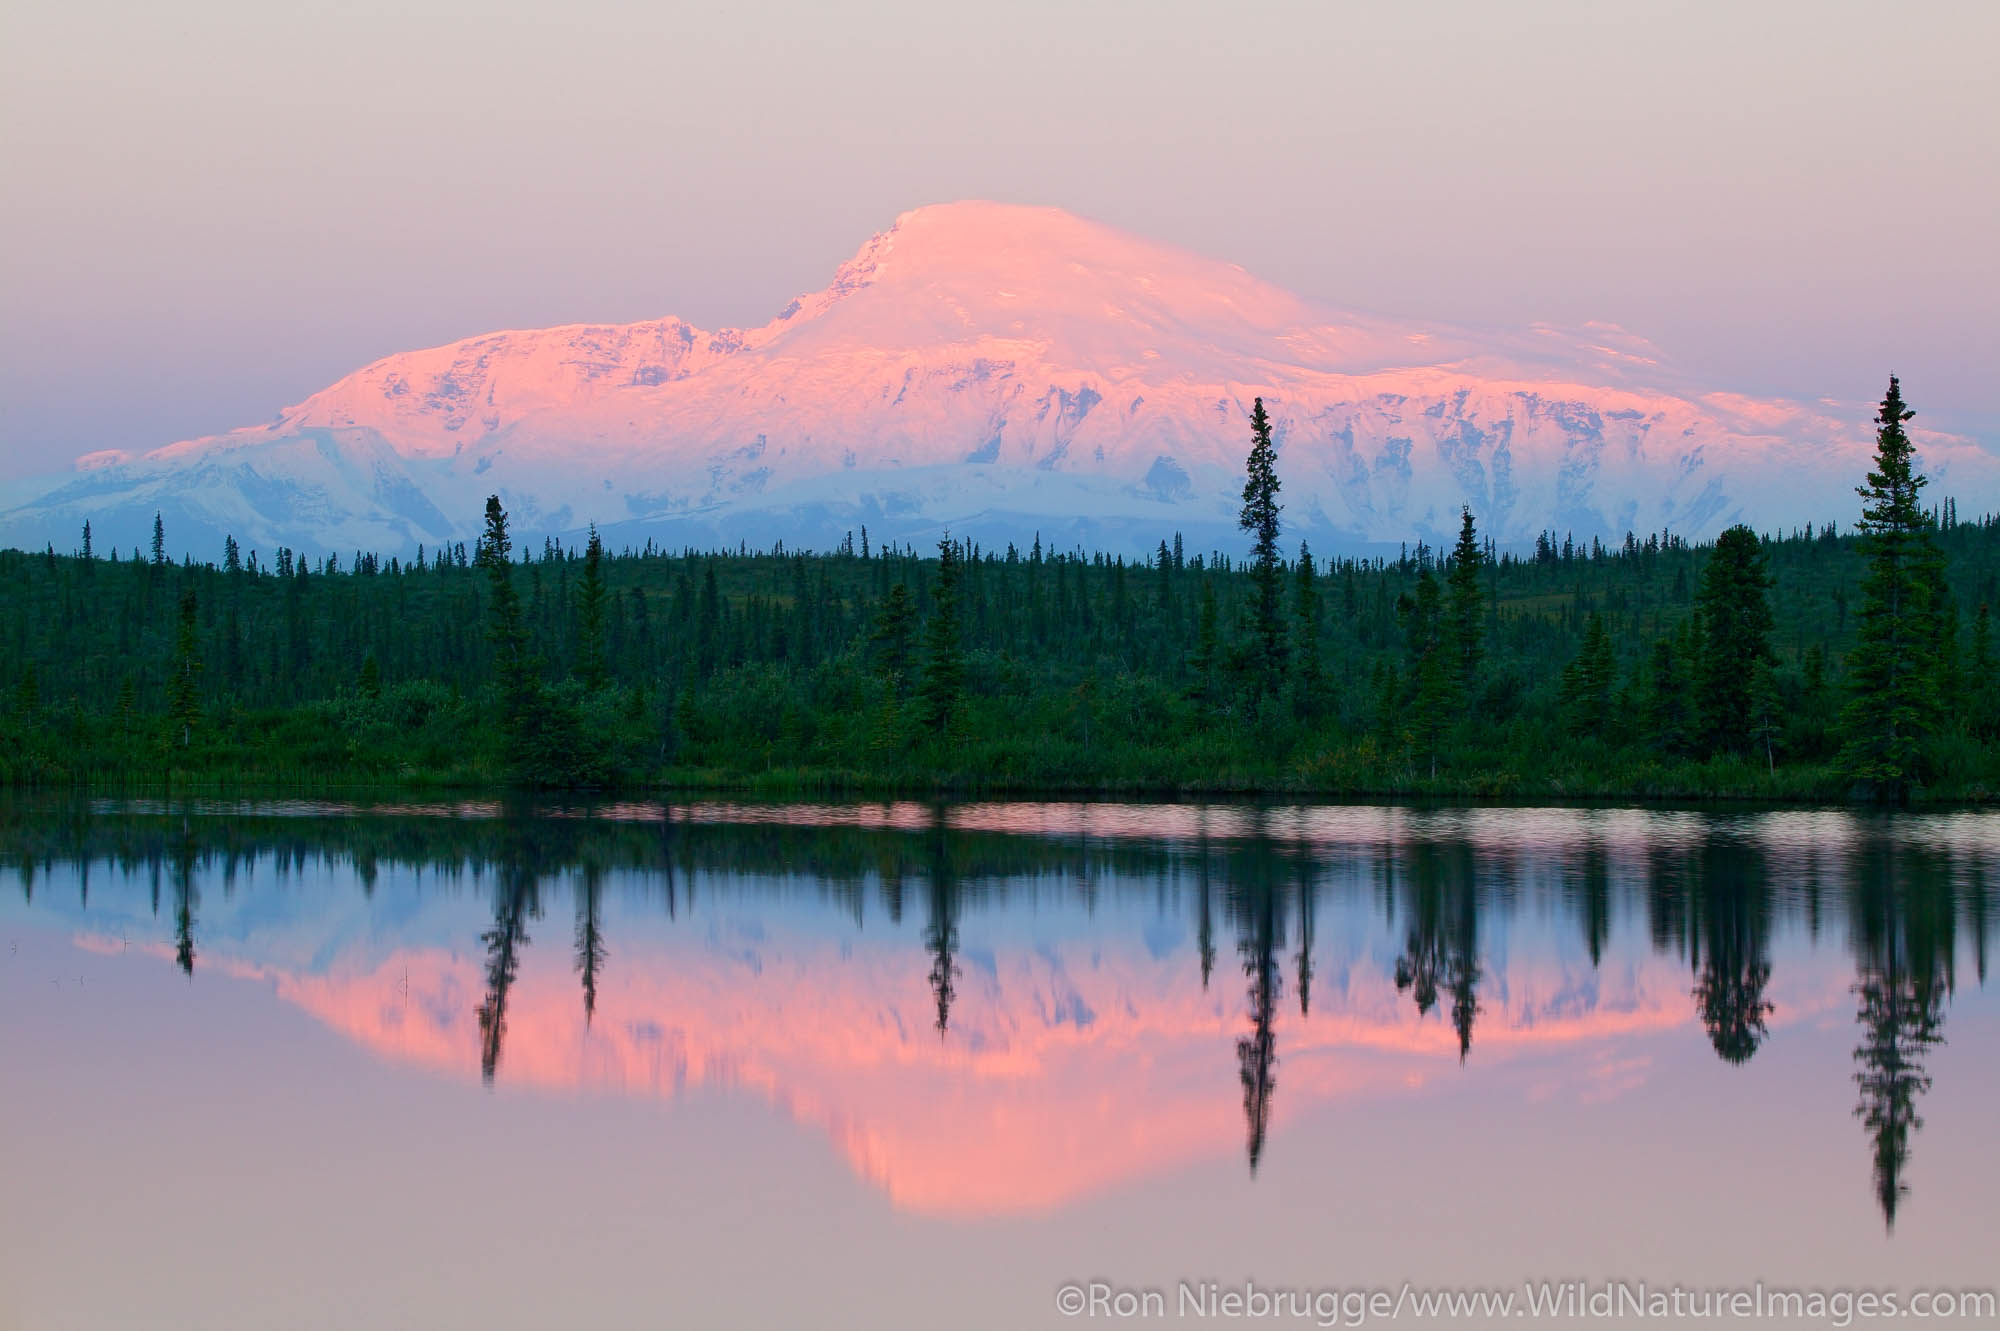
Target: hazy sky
[{"x": 212, "y": 208}]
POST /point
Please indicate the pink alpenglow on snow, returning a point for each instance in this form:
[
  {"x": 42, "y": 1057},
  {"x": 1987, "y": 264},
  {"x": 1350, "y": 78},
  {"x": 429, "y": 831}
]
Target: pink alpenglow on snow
[{"x": 1002, "y": 371}]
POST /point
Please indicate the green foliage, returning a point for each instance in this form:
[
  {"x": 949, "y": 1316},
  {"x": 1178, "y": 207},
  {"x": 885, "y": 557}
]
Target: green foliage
[
  {"x": 183, "y": 678},
  {"x": 1207, "y": 643},
  {"x": 1468, "y": 606},
  {"x": 891, "y": 640},
  {"x": 1587, "y": 683},
  {"x": 1981, "y": 687},
  {"x": 1669, "y": 712},
  {"x": 1432, "y": 670},
  {"x": 1309, "y": 679},
  {"x": 941, "y": 693},
  {"x": 1763, "y": 713},
  {"x": 1735, "y": 618}
]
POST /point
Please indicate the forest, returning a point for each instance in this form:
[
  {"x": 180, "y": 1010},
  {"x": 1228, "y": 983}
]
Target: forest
[{"x": 1850, "y": 660}]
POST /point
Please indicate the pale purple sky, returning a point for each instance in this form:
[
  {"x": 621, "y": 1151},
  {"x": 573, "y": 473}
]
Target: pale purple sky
[{"x": 213, "y": 208}]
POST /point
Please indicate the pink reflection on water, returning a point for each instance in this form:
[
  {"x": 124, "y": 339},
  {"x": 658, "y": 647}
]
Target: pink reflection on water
[{"x": 1066, "y": 1072}]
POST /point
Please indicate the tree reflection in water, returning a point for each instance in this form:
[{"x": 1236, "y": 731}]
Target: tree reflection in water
[{"x": 1713, "y": 891}]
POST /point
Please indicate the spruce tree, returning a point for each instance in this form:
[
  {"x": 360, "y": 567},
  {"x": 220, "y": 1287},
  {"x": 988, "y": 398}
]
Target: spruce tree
[
  {"x": 1260, "y": 518},
  {"x": 1587, "y": 682},
  {"x": 1735, "y": 613},
  {"x": 1468, "y": 606},
  {"x": 1945, "y": 655},
  {"x": 183, "y": 694},
  {"x": 1206, "y": 645},
  {"x": 1307, "y": 674},
  {"x": 1892, "y": 670},
  {"x": 942, "y": 690},
  {"x": 1669, "y": 717},
  {"x": 126, "y": 708},
  {"x": 590, "y": 615},
  {"x": 1433, "y": 672},
  {"x": 1766, "y": 721},
  {"x": 512, "y": 669},
  {"x": 1983, "y": 688},
  {"x": 889, "y": 642},
  {"x": 708, "y": 621}
]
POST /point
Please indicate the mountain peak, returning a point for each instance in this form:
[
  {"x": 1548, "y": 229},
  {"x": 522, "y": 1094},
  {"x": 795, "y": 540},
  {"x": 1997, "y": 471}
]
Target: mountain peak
[
  {"x": 967, "y": 229},
  {"x": 957, "y": 273},
  {"x": 960, "y": 238}
]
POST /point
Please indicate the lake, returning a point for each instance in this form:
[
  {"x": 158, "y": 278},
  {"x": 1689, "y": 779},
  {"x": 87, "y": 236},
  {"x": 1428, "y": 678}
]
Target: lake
[{"x": 296, "y": 1064}]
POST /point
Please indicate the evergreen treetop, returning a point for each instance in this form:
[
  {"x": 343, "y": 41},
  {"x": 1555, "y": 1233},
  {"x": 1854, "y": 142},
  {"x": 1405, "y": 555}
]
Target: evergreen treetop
[
  {"x": 1892, "y": 671},
  {"x": 1259, "y": 517}
]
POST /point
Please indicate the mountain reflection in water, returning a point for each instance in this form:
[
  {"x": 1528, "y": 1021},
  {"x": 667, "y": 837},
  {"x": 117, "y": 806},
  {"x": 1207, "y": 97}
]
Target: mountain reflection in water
[{"x": 1004, "y": 1008}]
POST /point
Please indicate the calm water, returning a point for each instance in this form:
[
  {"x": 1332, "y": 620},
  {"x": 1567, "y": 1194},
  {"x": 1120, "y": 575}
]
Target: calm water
[{"x": 885, "y": 1066}]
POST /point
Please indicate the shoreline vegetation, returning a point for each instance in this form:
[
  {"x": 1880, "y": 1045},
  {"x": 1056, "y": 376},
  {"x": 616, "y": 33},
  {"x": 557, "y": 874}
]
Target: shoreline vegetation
[{"x": 1813, "y": 666}]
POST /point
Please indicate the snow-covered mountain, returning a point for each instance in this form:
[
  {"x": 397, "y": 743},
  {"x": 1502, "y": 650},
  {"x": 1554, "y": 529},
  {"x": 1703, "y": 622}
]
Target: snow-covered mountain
[{"x": 999, "y": 370}]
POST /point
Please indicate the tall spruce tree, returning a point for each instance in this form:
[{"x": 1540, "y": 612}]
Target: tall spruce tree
[
  {"x": 1468, "y": 606},
  {"x": 1308, "y": 677},
  {"x": 1260, "y": 518},
  {"x": 1892, "y": 670},
  {"x": 942, "y": 689},
  {"x": 1735, "y": 612},
  {"x": 512, "y": 669},
  {"x": 590, "y": 615}
]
